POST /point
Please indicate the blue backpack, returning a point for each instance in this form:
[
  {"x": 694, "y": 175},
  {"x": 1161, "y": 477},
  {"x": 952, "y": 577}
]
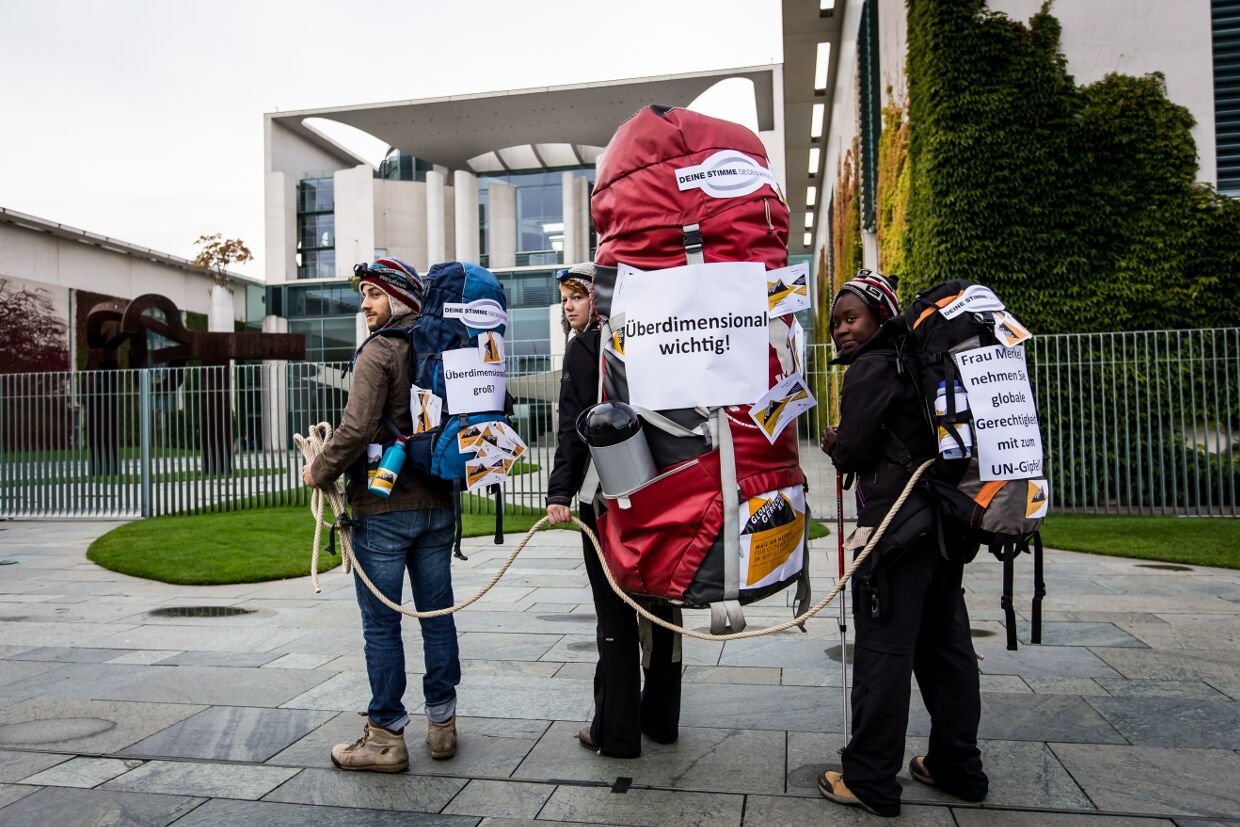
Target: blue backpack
[{"x": 463, "y": 303}]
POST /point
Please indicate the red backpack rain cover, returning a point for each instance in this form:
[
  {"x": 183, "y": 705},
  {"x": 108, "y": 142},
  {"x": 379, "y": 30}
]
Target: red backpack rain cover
[{"x": 668, "y": 543}]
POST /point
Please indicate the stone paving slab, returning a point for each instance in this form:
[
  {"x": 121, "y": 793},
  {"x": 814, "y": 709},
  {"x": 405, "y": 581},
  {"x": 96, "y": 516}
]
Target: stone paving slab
[
  {"x": 220, "y": 812},
  {"x": 1155, "y": 780},
  {"x": 1174, "y": 722},
  {"x": 65, "y": 805},
  {"x": 723, "y": 760},
  {"x": 643, "y": 807},
  {"x": 17, "y": 764},
  {"x": 202, "y": 779},
  {"x": 84, "y": 773},
  {"x": 773, "y": 811},
  {"x": 85, "y": 726},
  {"x": 371, "y": 791},
  {"x": 500, "y": 799},
  {"x": 230, "y": 734},
  {"x": 12, "y": 792},
  {"x": 987, "y": 818}
]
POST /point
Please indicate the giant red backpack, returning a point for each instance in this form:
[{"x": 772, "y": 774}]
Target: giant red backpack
[{"x": 677, "y": 539}]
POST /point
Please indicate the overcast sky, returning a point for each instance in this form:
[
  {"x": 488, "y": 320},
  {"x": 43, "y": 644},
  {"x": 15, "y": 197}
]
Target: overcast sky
[{"x": 142, "y": 119}]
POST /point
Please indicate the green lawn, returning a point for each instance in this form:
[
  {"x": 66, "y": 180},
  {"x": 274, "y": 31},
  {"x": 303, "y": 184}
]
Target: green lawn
[
  {"x": 1201, "y": 541},
  {"x": 256, "y": 544},
  {"x": 243, "y": 546}
]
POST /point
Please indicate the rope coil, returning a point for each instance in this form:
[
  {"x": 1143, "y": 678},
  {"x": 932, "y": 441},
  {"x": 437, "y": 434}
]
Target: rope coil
[{"x": 313, "y": 444}]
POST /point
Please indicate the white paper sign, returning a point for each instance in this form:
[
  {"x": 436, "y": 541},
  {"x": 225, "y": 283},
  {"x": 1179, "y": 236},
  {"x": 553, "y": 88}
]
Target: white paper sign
[
  {"x": 796, "y": 343},
  {"x": 480, "y": 314},
  {"x": 696, "y": 335},
  {"x": 974, "y": 299},
  {"x": 726, "y": 174},
  {"x": 472, "y": 385},
  {"x": 781, "y": 405},
  {"x": 1005, "y": 422},
  {"x": 787, "y": 289}
]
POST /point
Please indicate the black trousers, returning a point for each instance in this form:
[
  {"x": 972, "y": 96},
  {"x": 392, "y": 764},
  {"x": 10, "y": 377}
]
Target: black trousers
[
  {"x": 623, "y": 710},
  {"x": 923, "y": 630}
]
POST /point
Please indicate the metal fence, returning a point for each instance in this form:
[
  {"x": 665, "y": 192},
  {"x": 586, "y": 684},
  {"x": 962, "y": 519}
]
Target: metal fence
[{"x": 1132, "y": 423}]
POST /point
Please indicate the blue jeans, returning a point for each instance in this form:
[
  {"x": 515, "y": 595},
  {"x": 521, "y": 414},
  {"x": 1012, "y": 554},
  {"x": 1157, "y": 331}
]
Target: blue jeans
[{"x": 386, "y": 545}]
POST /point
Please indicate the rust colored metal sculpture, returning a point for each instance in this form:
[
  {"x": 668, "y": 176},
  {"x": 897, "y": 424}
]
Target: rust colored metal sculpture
[{"x": 151, "y": 326}]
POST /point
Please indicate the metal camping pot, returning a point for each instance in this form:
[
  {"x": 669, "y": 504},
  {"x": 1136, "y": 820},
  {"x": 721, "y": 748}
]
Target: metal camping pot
[{"x": 618, "y": 447}]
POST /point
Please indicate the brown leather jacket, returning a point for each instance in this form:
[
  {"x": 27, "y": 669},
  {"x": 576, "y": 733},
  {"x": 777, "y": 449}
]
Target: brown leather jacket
[{"x": 380, "y": 388}]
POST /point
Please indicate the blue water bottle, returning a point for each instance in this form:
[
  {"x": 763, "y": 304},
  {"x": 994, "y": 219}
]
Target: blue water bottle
[{"x": 389, "y": 469}]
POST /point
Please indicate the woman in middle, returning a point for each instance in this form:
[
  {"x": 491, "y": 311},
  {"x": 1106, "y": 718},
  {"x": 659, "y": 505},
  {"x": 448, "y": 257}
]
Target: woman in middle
[{"x": 623, "y": 710}]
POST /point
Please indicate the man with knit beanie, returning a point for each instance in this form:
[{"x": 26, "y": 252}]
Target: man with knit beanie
[{"x": 410, "y": 531}]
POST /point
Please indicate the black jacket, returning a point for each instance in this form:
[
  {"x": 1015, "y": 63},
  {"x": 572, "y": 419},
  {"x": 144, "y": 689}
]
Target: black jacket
[
  {"x": 578, "y": 391},
  {"x": 884, "y": 432}
]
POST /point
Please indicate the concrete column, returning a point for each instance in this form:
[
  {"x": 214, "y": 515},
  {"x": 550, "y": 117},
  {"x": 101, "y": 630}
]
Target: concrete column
[
  {"x": 581, "y": 197},
  {"x": 280, "y": 231},
  {"x": 465, "y": 189},
  {"x": 568, "y": 208},
  {"x": 223, "y": 311},
  {"x": 502, "y": 224},
  {"x": 275, "y": 392},
  {"x": 435, "y": 244},
  {"x": 355, "y": 217},
  {"x": 360, "y": 331}
]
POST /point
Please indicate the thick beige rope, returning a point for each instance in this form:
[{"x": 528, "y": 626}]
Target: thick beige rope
[
  {"x": 796, "y": 621},
  {"x": 311, "y": 446}
]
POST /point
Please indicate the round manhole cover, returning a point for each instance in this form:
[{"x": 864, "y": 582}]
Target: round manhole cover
[
  {"x": 8, "y": 562},
  {"x": 200, "y": 611},
  {"x": 53, "y": 730},
  {"x": 1163, "y": 566},
  {"x": 582, "y": 646},
  {"x": 981, "y": 633},
  {"x": 565, "y": 617}
]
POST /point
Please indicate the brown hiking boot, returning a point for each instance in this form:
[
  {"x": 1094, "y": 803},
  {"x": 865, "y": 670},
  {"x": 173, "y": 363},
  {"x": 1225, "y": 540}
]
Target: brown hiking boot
[
  {"x": 442, "y": 738},
  {"x": 378, "y": 750}
]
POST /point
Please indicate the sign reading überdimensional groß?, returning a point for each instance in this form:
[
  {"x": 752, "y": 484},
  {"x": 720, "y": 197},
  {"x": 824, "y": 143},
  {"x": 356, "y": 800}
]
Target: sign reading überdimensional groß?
[
  {"x": 472, "y": 385},
  {"x": 696, "y": 335}
]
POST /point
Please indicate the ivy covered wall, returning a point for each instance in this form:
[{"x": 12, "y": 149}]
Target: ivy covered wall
[{"x": 1077, "y": 204}]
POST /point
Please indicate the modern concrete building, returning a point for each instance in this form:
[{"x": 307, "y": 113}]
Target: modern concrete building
[
  {"x": 56, "y": 273},
  {"x": 502, "y": 178}
]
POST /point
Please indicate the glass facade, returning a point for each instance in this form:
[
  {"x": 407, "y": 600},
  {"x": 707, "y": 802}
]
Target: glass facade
[
  {"x": 540, "y": 213},
  {"x": 316, "y": 228}
]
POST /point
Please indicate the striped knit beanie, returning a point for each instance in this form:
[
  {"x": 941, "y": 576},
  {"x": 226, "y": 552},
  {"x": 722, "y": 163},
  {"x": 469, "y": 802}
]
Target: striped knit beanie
[
  {"x": 876, "y": 290},
  {"x": 402, "y": 284}
]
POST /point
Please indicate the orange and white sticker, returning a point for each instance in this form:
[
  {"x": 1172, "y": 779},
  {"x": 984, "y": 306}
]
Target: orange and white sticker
[
  {"x": 1037, "y": 499},
  {"x": 772, "y": 536}
]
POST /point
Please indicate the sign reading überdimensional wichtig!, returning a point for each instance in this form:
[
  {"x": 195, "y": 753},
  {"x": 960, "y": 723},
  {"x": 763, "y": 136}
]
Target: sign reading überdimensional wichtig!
[
  {"x": 1005, "y": 421},
  {"x": 473, "y": 385},
  {"x": 696, "y": 335}
]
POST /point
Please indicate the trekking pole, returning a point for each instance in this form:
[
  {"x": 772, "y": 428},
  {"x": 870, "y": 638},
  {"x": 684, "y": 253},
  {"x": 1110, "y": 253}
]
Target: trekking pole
[{"x": 839, "y": 510}]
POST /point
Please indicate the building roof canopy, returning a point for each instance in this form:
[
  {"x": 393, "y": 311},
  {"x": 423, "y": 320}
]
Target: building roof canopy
[{"x": 453, "y": 130}]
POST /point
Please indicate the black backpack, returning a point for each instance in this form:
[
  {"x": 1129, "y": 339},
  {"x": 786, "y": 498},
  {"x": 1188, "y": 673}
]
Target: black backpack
[{"x": 960, "y": 343}]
